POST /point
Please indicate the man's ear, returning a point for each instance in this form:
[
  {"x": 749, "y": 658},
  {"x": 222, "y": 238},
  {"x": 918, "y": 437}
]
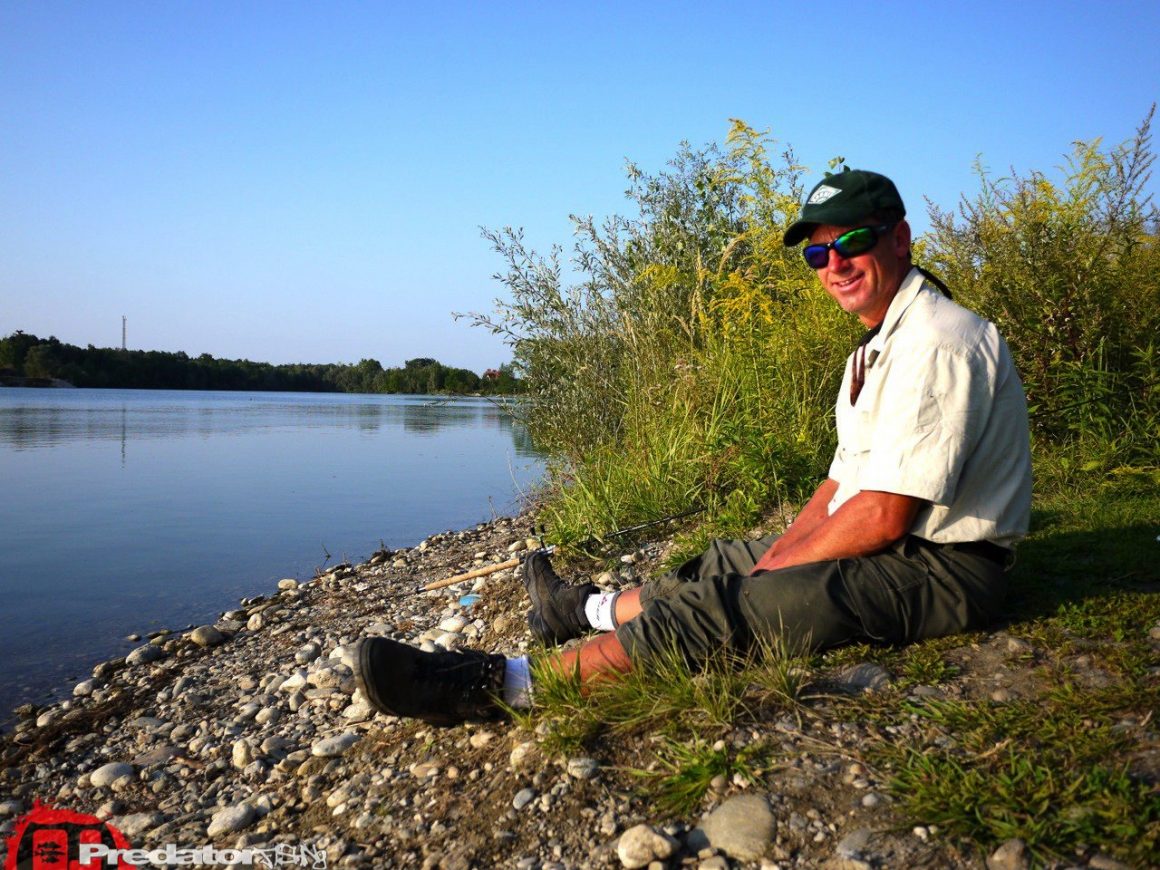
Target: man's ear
[{"x": 901, "y": 236}]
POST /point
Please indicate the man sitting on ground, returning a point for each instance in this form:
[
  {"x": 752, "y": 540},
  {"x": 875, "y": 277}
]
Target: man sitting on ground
[{"x": 909, "y": 537}]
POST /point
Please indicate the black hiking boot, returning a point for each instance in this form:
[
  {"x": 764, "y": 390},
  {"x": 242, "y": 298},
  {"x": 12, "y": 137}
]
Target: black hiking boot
[
  {"x": 443, "y": 688},
  {"x": 557, "y": 612}
]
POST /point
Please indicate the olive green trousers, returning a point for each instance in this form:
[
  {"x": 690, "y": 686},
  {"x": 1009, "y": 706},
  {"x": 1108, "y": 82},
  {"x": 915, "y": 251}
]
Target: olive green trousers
[{"x": 913, "y": 590}]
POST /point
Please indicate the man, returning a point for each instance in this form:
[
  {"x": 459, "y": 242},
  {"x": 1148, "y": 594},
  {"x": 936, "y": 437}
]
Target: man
[{"x": 909, "y": 536}]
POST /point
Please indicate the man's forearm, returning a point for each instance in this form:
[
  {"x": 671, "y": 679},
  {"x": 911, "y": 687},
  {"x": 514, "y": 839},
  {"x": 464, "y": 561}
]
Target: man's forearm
[
  {"x": 813, "y": 513},
  {"x": 867, "y": 523}
]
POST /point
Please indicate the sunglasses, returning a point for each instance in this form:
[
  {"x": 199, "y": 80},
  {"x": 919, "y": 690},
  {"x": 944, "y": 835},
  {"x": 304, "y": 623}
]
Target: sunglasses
[{"x": 849, "y": 244}]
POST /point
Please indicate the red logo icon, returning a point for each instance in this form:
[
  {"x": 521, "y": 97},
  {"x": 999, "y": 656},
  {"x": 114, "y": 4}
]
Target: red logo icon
[{"x": 51, "y": 839}]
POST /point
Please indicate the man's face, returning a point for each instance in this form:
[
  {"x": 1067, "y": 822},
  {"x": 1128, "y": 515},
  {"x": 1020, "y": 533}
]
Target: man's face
[{"x": 865, "y": 284}]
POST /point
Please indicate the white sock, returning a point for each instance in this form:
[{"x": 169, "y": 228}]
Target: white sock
[
  {"x": 517, "y": 683},
  {"x": 600, "y": 609}
]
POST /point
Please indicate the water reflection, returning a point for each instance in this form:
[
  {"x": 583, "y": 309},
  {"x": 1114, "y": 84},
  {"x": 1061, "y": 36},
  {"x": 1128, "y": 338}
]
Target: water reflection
[{"x": 32, "y": 419}]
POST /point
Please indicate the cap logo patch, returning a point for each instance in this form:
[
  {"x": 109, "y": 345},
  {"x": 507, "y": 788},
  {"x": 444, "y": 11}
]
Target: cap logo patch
[{"x": 823, "y": 193}]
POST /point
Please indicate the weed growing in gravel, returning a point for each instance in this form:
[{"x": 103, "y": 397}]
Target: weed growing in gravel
[
  {"x": 685, "y": 769},
  {"x": 666, "y": 699},
  {"x": 1049, "y": 772}
]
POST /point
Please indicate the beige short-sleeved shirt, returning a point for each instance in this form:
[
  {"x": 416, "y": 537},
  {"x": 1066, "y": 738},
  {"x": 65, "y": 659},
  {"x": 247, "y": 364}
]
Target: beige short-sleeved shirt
[{"x": 942, "y": 417}]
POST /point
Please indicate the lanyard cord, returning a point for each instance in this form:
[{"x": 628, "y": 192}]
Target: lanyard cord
[
  {"x": 858, "y": 364},
  {"x": 858, "y": 360}
]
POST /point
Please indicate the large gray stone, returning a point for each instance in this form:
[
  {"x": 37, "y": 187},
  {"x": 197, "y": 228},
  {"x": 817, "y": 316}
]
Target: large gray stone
[{"x": 742, "y": 828}]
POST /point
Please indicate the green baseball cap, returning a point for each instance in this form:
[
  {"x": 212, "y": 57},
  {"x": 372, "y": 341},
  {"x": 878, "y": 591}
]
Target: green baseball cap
[{"x": 844, "y": 199}]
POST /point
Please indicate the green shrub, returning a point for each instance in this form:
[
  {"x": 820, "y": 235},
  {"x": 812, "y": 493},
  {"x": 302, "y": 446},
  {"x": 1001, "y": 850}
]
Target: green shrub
[
  {"x": 1070, "y": 273},
  {"x": 692, "y": 360}
]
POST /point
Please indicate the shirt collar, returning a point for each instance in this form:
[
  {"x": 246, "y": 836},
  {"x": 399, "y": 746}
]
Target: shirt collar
[{"x": 908, "y": 291}]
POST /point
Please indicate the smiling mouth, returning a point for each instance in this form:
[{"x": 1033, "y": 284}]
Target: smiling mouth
[{"x": 846, "y": 283}]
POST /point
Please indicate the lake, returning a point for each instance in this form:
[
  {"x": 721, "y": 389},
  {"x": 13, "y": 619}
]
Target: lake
[{"x": 126, "y": 511}]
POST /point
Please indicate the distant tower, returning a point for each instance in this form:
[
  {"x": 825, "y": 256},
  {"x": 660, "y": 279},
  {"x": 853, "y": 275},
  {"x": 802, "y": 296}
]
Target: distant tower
[{"x": 122, "y": 332}]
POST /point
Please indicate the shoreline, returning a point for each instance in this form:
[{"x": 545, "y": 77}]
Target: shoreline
[{"x": 249, "y": 733}]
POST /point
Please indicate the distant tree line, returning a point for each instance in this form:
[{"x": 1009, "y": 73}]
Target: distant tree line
[{"x": 25, "y": 357}]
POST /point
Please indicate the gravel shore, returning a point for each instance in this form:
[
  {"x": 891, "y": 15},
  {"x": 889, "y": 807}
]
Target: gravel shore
[{"x": 249, "y": 732}]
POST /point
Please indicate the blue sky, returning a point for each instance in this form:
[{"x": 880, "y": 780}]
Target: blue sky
[{"x": 305, "y": 182}]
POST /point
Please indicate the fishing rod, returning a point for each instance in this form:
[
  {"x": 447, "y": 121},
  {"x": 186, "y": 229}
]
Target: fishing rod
[
  {"x": 516, "y": 560},
  {"x": 641, "y": 526}
]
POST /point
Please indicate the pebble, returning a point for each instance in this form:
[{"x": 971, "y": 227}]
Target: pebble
[
  {"x": 1012, "y": 855},
  {"x": 1018, "y": 646},
  {"x": 1100, "y": 861},
  {"x": 136, "y": 824},
  {"x": 157, "y": 755},
  {"x": 206, "y": 635},
  {"x": 480, "y": 739},
  {"x": 110, "y": 773},
  {"x": 47, "y": 717},
  {"x": 582, "y": 768},
  {"x": 85, "y": 688},
  {"x": 426, "y": 771},
  {"x": 332, "y": 747},
  {"x": 242, "y": 754},
  {"x": 288, "y": 583},
  {"x": 864, "y": 677},
  {"x": 642, "y": 844},
  {"x": 307, "y": 653},
  {"x": 145, "y": 654},
  {"x": 453, "y": 624},
  {"x": 231, "y": 820},
  {"x": 358, "y": 711},
  {"x": 523, "y": 797},
  {"x": 521, "y": 753},
  {"x": 854, "y": 844}
]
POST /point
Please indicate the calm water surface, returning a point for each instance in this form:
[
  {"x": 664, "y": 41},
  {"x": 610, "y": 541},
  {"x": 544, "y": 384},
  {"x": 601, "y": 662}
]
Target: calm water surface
[{"x": 125, "y": 511}]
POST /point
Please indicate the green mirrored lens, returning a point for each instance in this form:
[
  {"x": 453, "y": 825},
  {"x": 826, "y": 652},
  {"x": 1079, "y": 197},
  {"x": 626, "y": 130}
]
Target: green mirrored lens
[{"x": 855, "y": 242}]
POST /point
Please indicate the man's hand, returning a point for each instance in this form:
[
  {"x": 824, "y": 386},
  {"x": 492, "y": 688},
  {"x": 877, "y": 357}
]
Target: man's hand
[{"x": 867, "y": 523}]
